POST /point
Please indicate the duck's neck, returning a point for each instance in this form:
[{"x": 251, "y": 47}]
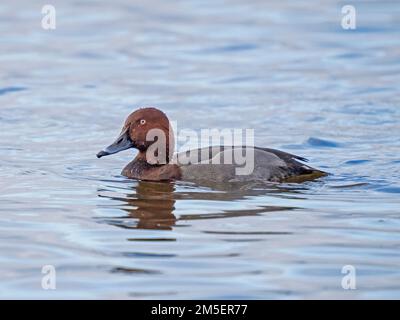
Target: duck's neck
[
  {"x": 160, "y": 152},
  {"x": 141, "y": 157},
  {"x": 152, "y": 160}
]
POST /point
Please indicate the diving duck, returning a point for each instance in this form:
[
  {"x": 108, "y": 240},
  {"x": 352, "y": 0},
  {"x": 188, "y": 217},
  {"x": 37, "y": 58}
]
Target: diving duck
[{"x": 149, "y": 131}]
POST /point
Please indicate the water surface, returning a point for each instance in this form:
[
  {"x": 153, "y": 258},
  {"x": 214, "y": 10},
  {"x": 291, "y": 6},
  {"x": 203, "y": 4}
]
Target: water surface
[{"x": 286, "y": 69}]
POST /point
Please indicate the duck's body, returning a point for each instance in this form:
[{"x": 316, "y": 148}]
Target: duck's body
[
  {"x": 269, "y": 165},
  {"x": 216, "y": 163}
]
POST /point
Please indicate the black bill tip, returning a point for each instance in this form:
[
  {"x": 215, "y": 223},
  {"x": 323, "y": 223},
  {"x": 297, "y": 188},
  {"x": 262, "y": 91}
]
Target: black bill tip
[{"x": 102, "y": 154}]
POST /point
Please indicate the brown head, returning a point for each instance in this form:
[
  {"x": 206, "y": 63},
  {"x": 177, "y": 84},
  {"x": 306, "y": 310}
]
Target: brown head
[{"x": 149, "y": 131}]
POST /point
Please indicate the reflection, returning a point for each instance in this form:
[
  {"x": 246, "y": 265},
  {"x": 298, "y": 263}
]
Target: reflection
[
  {"x": 151, "y": 205},
  {"x": 133, "y": 270}
]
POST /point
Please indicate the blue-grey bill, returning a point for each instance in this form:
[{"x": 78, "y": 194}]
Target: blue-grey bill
[{"x": 123, "y": 142}]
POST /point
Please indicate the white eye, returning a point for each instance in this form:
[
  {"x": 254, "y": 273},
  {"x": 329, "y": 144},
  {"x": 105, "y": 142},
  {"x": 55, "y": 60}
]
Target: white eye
[{"x": 142, "y": 121}]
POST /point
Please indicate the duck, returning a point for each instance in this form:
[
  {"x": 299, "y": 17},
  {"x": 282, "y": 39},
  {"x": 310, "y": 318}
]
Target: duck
[{"x": 148, "y": 130}]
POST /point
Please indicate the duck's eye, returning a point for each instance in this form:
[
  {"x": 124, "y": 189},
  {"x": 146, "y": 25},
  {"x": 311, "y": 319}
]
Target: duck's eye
[{"x": 142, "y": 121}]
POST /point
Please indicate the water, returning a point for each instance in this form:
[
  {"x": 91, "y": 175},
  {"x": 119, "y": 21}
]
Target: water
[{"x": 287, "y": 69}]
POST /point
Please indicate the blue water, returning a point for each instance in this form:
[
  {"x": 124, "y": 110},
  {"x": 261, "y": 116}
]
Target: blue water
[{"x": 286, "y": 69}]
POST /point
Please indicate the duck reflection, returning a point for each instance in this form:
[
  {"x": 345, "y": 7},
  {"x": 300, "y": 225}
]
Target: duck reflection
[
  {"x": 154, "y": 206},
  {"x": 151, "y": 205}
]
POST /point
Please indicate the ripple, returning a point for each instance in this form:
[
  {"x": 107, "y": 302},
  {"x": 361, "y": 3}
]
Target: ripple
[
  {"x": 127, "y": 270},
  {"x": 389, "y": 189},
  {"x": 249, "y": 232},
  {"x": 230, "y": 48},
  {"x": 356, "y": 162},
  {"x": 352, "y": 185},
  {"x": 150, "y": 239},
  {"x": 7, "y": 90},
  {"x": 147, "y": 255},
  {"x": 321, "y": 143}
]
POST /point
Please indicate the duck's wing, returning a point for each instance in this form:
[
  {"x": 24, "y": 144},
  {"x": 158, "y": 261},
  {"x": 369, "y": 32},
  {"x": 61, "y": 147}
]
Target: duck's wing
[
  {"x": 283, "y": 155},
  {"x": 269, "y": 164},
  {"x": 207, "y": 153},
  {"x": 231, "y": 164},
  {"x": 295, "y": 171},
  {"x": 196, "y": 156}
]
